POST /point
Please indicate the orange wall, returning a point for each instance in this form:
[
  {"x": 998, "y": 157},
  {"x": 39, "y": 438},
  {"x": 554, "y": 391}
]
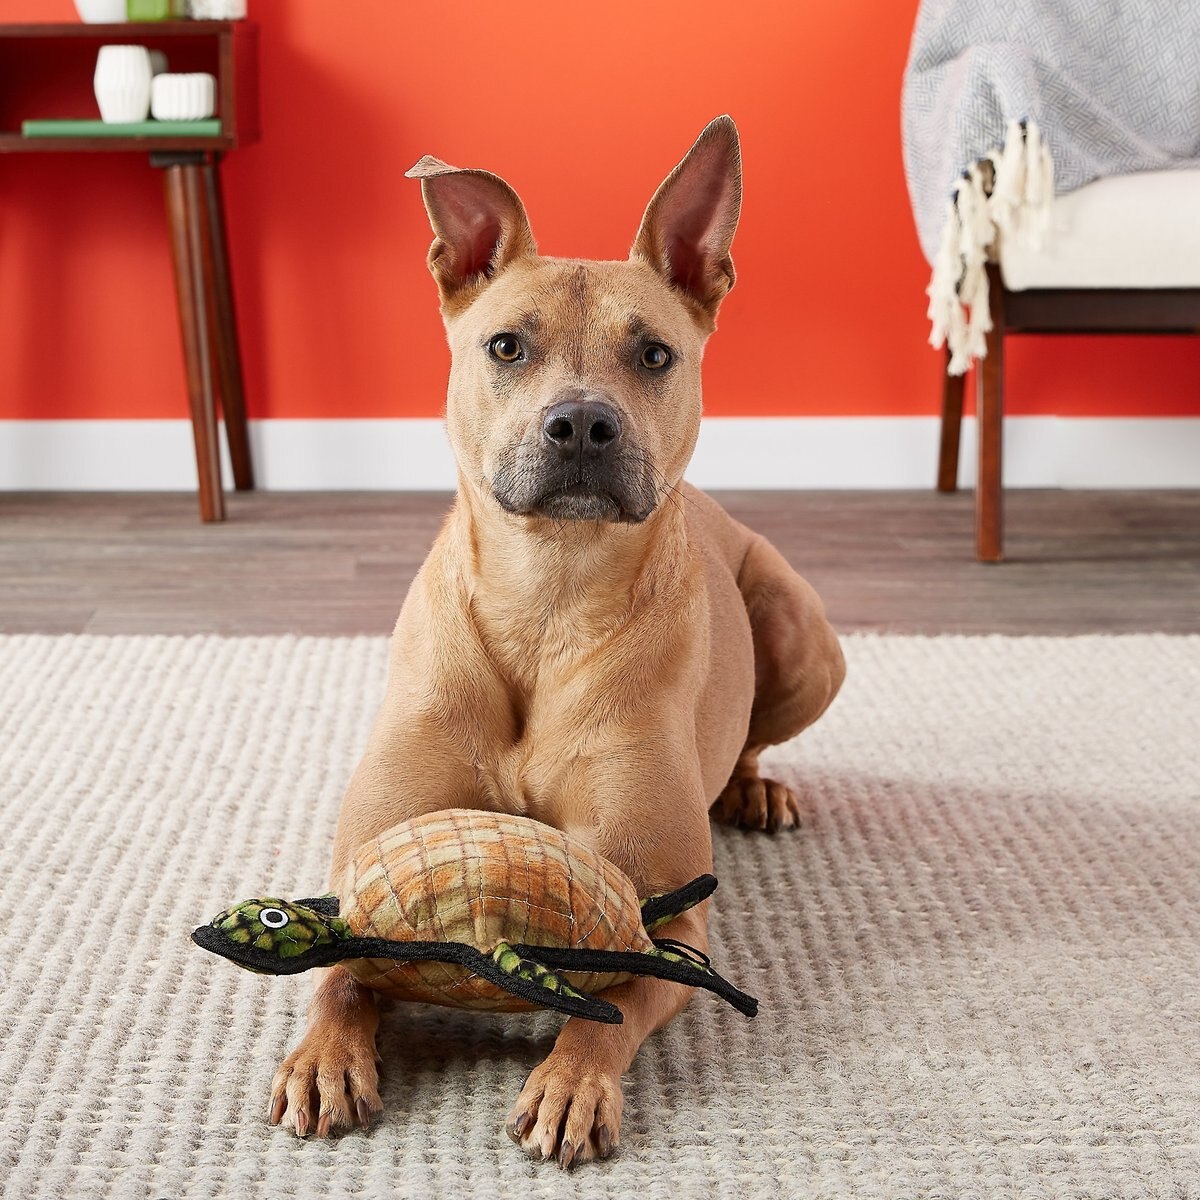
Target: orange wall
[{"x": 583, "y": 107}]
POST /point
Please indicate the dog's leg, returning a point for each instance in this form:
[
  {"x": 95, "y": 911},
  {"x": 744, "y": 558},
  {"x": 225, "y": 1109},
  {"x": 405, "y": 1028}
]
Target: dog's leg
[
  {"x": 331, "y": 1080},
  {"x": 570, "y": 1106},
  {"x": 798, "y": 669}
]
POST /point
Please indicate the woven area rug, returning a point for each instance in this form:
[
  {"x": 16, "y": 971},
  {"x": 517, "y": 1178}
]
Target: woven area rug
[{"x": 979, "y": 961}]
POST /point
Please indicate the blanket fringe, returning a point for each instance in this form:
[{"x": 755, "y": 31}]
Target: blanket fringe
[{"x": 1009, "y": 190}]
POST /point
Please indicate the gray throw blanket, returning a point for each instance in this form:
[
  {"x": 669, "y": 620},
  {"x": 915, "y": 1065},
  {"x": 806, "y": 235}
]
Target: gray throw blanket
[{"x": 994, "y": 93}]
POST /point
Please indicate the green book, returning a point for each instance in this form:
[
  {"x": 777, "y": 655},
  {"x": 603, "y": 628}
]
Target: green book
[{"x": 78, "y": 129}]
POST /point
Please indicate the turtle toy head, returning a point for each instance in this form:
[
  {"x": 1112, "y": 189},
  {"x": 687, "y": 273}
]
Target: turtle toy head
[{"x": 276, "y": 937}]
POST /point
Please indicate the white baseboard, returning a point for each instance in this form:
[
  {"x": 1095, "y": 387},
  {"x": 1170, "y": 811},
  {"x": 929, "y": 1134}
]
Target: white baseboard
[{"x": 734, "y": 452}]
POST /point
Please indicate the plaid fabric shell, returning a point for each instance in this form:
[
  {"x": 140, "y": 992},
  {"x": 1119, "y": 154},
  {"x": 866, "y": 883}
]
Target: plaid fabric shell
[{"x": 481, "y": 878}]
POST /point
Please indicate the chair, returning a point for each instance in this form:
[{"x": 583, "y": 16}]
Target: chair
[{"x": 1123, "y": 257}]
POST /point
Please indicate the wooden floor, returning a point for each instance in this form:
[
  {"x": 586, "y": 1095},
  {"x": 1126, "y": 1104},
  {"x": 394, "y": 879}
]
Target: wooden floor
[{"x": 340, "y": 563}]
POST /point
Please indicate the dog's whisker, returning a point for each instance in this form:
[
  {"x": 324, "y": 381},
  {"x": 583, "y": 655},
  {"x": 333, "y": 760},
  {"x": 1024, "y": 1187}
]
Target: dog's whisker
[{"x": 668, "y": 489}]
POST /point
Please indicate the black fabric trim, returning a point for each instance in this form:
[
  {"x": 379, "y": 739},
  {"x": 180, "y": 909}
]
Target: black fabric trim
[
  {"x": 327, "y": 906},
  {"x": 634, "y": 963},
  {"x": 673, "y": 903},
  {"x": 266, "y": 963},
  {"x": 327, "y": 954}
]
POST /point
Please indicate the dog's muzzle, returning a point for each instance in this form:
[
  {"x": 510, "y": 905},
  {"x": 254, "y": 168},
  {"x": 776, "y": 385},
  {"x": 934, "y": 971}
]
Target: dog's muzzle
[{"x": 579, "y": 466}]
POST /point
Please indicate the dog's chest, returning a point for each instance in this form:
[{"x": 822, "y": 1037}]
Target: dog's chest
[
  {"x": 561, "y": 710},
  {"x": 540, "y": 772}
]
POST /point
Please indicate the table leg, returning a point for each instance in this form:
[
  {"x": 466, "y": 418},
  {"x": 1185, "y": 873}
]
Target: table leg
[
  {"x": 989, "y": 417},
  {"x": 953, "y": 387},
  {"x": 228, "y": 354},
  {"x": 192, "y": 252}
]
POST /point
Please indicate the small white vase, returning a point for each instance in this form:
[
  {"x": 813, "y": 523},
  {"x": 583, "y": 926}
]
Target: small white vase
[
  {"x": 183, "y": 97},
  {"x": 122, "y": 83},
  {"x": 101, "y": 12},
  {"x": 216, "y": 10}
]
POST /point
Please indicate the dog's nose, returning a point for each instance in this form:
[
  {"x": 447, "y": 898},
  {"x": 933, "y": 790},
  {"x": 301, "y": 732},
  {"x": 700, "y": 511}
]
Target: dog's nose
[{"x": 587, "y": 426}]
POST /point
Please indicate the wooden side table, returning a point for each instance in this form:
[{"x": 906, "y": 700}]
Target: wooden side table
[{"x": 46, "y": 71}]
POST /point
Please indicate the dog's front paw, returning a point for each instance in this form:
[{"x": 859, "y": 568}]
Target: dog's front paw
[
  {"x": 756, "y": 803},
  {"x": 328, "y": 1082},
  {"x": 567, "y": 1112}
]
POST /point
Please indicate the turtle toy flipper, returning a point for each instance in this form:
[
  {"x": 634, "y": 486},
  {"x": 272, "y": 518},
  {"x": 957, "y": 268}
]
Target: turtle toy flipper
[
  {"x": 533, "y": 980},
  {"x": 477, "y": 910}
]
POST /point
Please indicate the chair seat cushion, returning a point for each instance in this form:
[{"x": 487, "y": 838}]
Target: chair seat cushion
[{"x": 1126, "y": 231}]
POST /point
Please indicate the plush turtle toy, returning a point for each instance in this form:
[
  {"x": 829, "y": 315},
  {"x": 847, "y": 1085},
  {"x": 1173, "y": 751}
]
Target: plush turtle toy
[{"x": 477, "y": 910}]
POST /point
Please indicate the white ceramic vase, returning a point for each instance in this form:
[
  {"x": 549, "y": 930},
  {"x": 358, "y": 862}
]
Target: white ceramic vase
[
  {"x": 101, "y": 12},
  {"x": 183, "y": 97},
  {"x": 122, "y": 83}
]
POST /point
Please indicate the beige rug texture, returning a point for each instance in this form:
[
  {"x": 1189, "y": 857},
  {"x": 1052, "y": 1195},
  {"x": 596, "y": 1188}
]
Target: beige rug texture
[{"x": 978, "y": 962}]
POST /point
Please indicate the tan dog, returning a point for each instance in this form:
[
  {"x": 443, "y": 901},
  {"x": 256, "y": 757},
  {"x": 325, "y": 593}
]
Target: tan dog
[{"x": 591, "y": 642}]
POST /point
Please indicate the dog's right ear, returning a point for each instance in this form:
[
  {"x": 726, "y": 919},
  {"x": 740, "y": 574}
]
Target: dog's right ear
[{"x": 479, "y": 226}]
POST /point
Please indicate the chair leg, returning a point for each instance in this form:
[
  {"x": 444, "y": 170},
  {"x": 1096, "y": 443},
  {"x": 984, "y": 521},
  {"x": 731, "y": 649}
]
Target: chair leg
[
  {"x": 225, "y": 336},
  {"x": 953, "y": 387},
  {"x": 989, "y": 417},
  {"x": 191, "y": 249}
]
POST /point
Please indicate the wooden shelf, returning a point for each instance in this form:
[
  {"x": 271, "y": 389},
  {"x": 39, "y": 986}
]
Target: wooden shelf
[
  {"x": 48, "y": 67},
  {"x": 126, "y": 31},
  {"x": 15, "y": 143}
]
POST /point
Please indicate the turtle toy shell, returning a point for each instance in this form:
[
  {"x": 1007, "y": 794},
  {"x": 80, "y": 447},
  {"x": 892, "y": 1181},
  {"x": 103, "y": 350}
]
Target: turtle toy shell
[{"x": 480, "y": 910}]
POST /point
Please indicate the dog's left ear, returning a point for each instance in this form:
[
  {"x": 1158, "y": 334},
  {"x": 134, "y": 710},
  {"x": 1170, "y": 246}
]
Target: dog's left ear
[
  {"x": 479, "y": 226},
  {"x": 689, "y": 225}
]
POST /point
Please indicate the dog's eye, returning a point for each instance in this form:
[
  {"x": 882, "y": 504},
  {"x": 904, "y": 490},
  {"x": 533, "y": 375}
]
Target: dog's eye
[
  {"x": 655, "y": 357},
  {"x": 505, "y": 347}
]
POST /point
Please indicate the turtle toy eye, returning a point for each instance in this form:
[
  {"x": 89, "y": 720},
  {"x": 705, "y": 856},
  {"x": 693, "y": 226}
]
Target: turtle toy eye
[
  {"x": 273, "y": 918},
  {"x": 505, "y": 347},
  {"x": 655, "y": 357}
]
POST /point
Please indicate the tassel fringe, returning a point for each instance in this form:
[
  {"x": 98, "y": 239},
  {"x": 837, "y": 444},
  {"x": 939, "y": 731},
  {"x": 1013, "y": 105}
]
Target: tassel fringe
[{"x": 1009, "y": 191}]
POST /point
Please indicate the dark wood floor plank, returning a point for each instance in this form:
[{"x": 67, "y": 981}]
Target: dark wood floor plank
[{"x": 340, "y": 563}]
